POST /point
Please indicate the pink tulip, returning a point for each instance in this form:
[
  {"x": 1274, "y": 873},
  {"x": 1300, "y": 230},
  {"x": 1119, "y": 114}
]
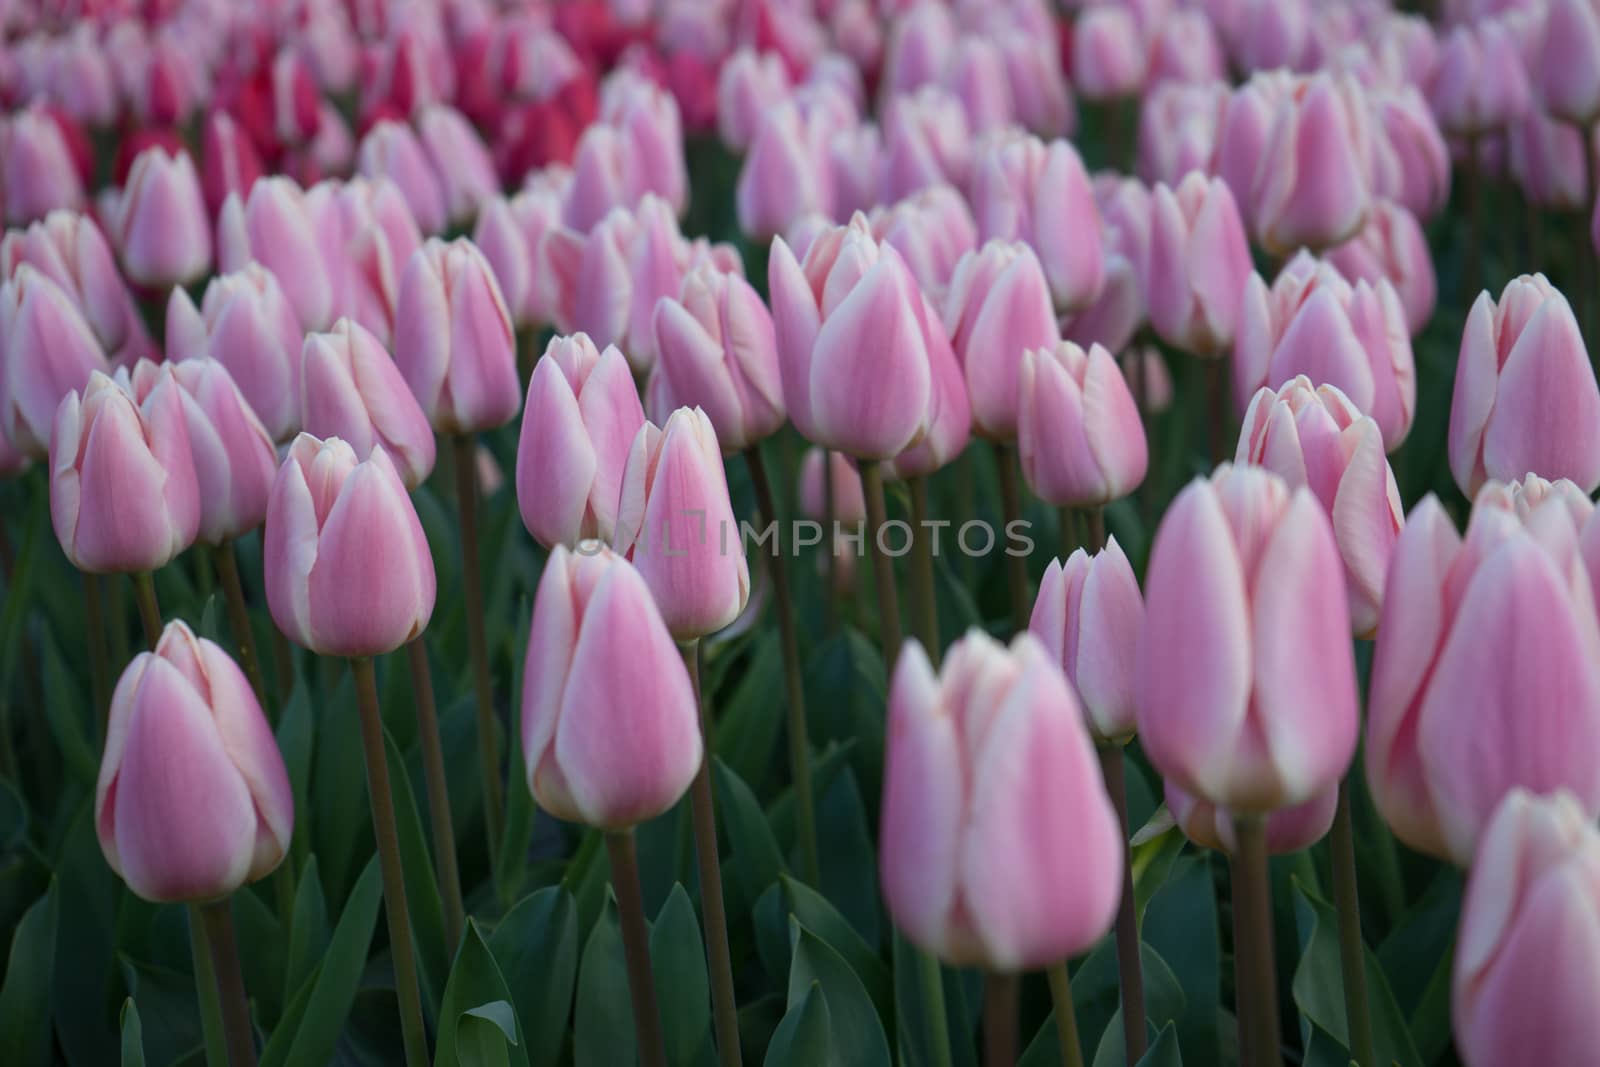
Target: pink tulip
[
  {"x": 926, "y": 141},
  {"x": 1040, "y": 96},
  {"x": 193, "y": 800},
  {"x": 976, "y": 76},
  {"x": 610, "y": 726},
  {"x": 582, "y": 416},
  {"x": 1546, "y": 157},
  {"x": 1287, "y": 829},
  {"x": 122, "y": 478},
  {"x": 1199, "y": 265},
  {"x": 1000, "y": 847},
  {"x": 676, "y": 523},
  {"x": 1525, "y": 978},
  {"x": 161, "y": 227},
  {"x": 460, "y": 161},
  {"x": 1566, "y": 70},
  {"x": 367, "y": 237},
  {"x": 229, "y": 162},
  {"x": 1088, "y": 615},
  {"x": 1115, "y": 316},
  {"x": 1313, "y": 322},
  {"x": 246, "y": 324},
  {"x": 931, "y": 229},
  {"x": 47, "y": 351},
  {"x": 1109, "y": 54},
  {"x": 511, "y": 235},
  {"x": 647, "y": 117},
  {"x": 37, "y": 172},
  {"x": 274, "y": 227},
  {"x": 919, "y": 46},
  {"x": 998, "y": 308},
  {"x": 1486, "y": 675},
  {"x": 1186, "y": 49},
  {"x": 1079, "y": 436},
  {"x": 783, "y": 177},
  {"x": 852, "y": 343},
  {"x": 1148, "y": 378},
  {"x": 348, "y": 572},
  {"x": 1525, "y": 396},
  {"x": 351, "y": 389},
  {"x": 949, "y": 417},
  {"x": 717, "y": 351},
  {"x": 1179, "y": 124},
  {"x": 1411, "y": 162},
  {"x": 1312, "y": 186},
  {"x": 749, "y": 84},
  {"x": 849, "y": 500},
  {"x": 1025, "y": 190},
  {"x": 391, "y": 150},
  {"x": 1246, "y": 677},
  {"x": 1270, "y": 34},
  {"x": 453, "y": 339},
  {"x": 1391, "y": 246},
  {"x": 1480, "y": 84},
  {"x": 70, "y": 250},
  {"x": 1315, "y": 437},
  {"x": 599, "y": 178}
]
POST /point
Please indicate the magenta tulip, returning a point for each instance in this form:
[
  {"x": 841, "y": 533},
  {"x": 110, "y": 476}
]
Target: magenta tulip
[{"x": 351, "y": 389}]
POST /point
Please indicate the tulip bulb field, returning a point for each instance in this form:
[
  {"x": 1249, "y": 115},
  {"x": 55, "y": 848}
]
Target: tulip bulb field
[{"x": 799, "y": 533}]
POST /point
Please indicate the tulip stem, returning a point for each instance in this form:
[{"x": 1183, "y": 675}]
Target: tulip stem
[
  {"x": 1068, "y": 521},
  {"x": 217, "y": 918},
  {"x": 444, "y": 833},
  {"x": 239, "y": 618},
  {"x": 477, "y": 644},
  {"x": 882, "y": 565},
  {"x": 1472, "y": 275},
  {"x": 924, "y": 600},
  {"x": 1130, "y": 967},
  {"x": 1066, "y": 1016},
  {"x": 1094, "y": 520},
  {"x": 144, "y": 591},
  {"x": 799, "y": 735},
  {"x": 1586, "y": 250},
  {"x": 1352, "y": 953},
  {"x": 1000, "y": 996},
  {"x": 1254, "y": 962},
  {"x": 1005, "y": 458},
  {"x": 933, "y": 1004},
  {"x": 830, "y": 543},
  {"x": 394, "y": 883},
  {"x": 282, "y": 665},
  {"x": 703, "y": 810},
  {"x": 212, "y": 1029},
  {"x": 636, "y": 947},
  {"x": 94, "y": 621}
]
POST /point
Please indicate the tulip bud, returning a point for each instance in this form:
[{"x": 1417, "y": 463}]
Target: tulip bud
[
  {"x": 460, "y": 160},
  {"x": 1079, "y": 437},
  {"x": 1566, "y": 72},
  {"x": 367, "y": 236},
  {"x": 1179, "y": 125},
  {"x": 162, "y": 228},
  {"x": 229, "y": 163},
  {"x": 511, "y": 235},
  {"x": 47, "y": 350},
  {"x": 1480, "y": 84},
  {"x": 749, "y": 84},
  {"x": 675, "y": 522},
  {"x": 1000, "y": 847},
  {"x": 1287, "y": 829},
  {"x": 651, "y": 126},
  {"x": 70, "y": 250},
  {"x": 193, "y": 800},
  {"x": 1108, "y": 54},
  {"x": 1246, "y": 677},
  {"x": 1524, "y": 981},
  {"x": 783, "y": 178},
  {"x": 348, "y": 572},
  {"x": 610, "y": 726},
  {"x": 582, "y": 416},
  {"x": 998, "y": 308},
  {"x": 1411, "y": 163},
  {"x": 948, "y": 424},
  {"x": 1486, "y": 674},
  {"x": 1392, "y": 247},
  {"x": 1199, "y": 263},
  {"x": 918, "y": 48},
  {"x": 234, "y": 458},
  {"x": 1315, "y": 437},
  {"x": 390, "y": 150},
  {"x": 1088, "y": 615},
  {"x": 37, "y": 172},
  {"x": 351, "y": 389},
  {"x": 1186, "y": 49},
  {"x": 931, "y": 230},
  {"x": 122, "y": 479},
  {"x": 454, "y": 340},
  {"x": 1525, "y": 396},
  {"x": 926, "y": 140},
  {"x": 274, "y": 228},
  {"x": 1040, "y": 96},
  {"x": 1312, "y": 184}
]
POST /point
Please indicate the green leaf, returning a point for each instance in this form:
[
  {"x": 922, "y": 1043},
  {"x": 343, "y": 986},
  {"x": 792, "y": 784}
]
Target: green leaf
[
  {"x": 748, "y": 722},
  {"x": 603, "y": 1034},
  {"x": 820, "y": 917},
  {"x": 132, "y": 1035},
  {"x": 310, "y": 1027},
  {"x": 757, "y": 861},
  {"x": 512, "y": 856},
  {"x": 1164, "y": 1050},
  {"x": 912, "y": 1031},
  {"x": 1096, "y": 999},
  {"x": 422, "y": 887},
  {"x": 81, "y": 995},
  {"x": 678, "y": 961},
  {"x": 472, "y": 1026},
  {"x": 804, "y": 1037},
  {"x": 857, "y": 1033},
  {"x": 13, "y": 817},
  {"x": 850, "y": 874},
  {"x": 1180, "y": 923},
  {"x": 536, "y": 946},
  {"x": 308, "y": 934},
  {"x": 63, "y": 706},
  {"x": 295, "y": 732},
  {"x": 25, "y": 997},
  {"x": 338, "y": 791},
  {"x": 845, "y": 689}
]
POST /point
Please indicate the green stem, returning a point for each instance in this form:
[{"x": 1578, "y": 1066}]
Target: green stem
[
  {"x": 1068, "y": 522},
  {"x": 477, "y": 643},
  {"x": 1000, "y": 996},
  {"x": 217, "y": 915},
  {"x": 394, "y": 882},
  {"x": 702, "y": 806},
  {"x": 239, "y": 618},
  {"x": 933, "y": 1004},
  {"x": 144, "y": 590},
  {"x": 636, "y": 947},
  {"x": 1094, "y": 520},
  {"x": 117, "y": 620},
  {"x": 94, "y": 620},
  {"x": 282, "y": 665},
  {"x": 1066, "y": 1016},
  {"x": 1252, "y": 900},
  {"x": 444, "y": 833},
  {"x": 1129, "y": 966},
  {"x": 882, "y": 565},
  {"x": 1241, "y": 973},
  {"x": 212, "y": 1028},
  {"x": 831, "y": 597},
  {"x": 794, "y": 685},
  {"x": 1005, "y": 459},
  {"x": 1352, "y": 953},
  {"x": 924, "y": 599}
]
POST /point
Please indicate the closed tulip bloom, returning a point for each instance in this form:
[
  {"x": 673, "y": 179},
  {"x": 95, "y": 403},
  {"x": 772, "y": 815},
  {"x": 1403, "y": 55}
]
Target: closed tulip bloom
[
  {"x": 351, "y": 389},
  {"x": 391, "y": 150},
  {"x": 348, "y": 571},
  {"x": 273, "y": 227},
  {"x": 976, "y": 76},
  {"x": 1246, "y": 677},
  {"x": 1392, "y": 246},
  {"x": 717, "y": 352},
  {"x": 193, "y": 800},
  {"x": 919, "y": 45},
  {"x": 1079, "y": 436},
  {"x": 1199, "y": 264},
  {"x": 610, "y": 725},
  {"x": 1000, "y": 847},
  {"x": 162, "y": 228},
  {"x": 1525, "y": 396},
  {"x": 510, "y": 232},
  {"x": 1088, "y": 615},
  {"x": 245, "y": 323},
  {"x": 927, "y": 140},
  {"x": 783, "y": 177},
  {"x": 70, "y": 250},
  {"x": 1411, "y": 162},
  {"x": 1108, "y": 54},
  {"x": 1270, "y": 34},
  {"x": 1480, "y": 84},
  {"x": 749, "y": 84},
  {"x": 460, "y": 161},
  {"x": 1311, "y": 187},
  {"x": 932, "y": 230},
  {"x": 851, "y": 348},
  {"x": 37, "y": 172},
  {"x": 948, "y": 424},
  {"x": 1178, "y": 129},
  {"x": 1525, "y": 975},
  {"x": 1287, "y": 829},
  {"x": 122, "y": 480},
  {"x": 1546, "y": 157},
  {"x": 582, "y": 416},
  {"x": 675, "y": 522},
  {"x": 453, "y": 339},
  {"x": 229, "y": 163},
  {"x": 648, "y": 119},
  {"x": 1186, "y": 49},
  {"x": 234, "y": 458},
  {"x": 47, "y": 350},
  {"x": 1025, "y": 190},
  {"x": 997, "y": 309},
  {"x": 367, "y": 236},
  {"x": 1486, "y": 675},
  {"x": 1566, "y": 72},
  {"x": 1314, "y": 436},
  {"x": 1116, "y": 315}
]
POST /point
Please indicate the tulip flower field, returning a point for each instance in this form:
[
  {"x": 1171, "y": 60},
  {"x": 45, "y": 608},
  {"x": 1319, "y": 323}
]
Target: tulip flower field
[{"x": 799, "y": 533}]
